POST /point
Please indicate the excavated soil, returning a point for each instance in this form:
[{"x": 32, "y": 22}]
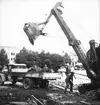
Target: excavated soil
[{"x": 16, "y": 95}]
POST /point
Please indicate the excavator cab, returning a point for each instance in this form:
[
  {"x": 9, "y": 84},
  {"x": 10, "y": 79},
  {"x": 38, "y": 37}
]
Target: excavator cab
[{"x": 93, "y": 57}]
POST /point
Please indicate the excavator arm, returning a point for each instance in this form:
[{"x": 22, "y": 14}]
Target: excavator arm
[{"x": 76, "y": 45}]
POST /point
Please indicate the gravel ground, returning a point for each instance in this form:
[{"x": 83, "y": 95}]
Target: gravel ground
[{"x": 16, "y": 95}]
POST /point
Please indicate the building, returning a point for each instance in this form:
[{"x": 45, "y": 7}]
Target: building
[
  {"x": 74, "y": 58},
  {"x": 11, "y": 52}
]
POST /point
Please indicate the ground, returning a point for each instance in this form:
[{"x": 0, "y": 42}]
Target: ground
[{"x": 54, "y": 95}]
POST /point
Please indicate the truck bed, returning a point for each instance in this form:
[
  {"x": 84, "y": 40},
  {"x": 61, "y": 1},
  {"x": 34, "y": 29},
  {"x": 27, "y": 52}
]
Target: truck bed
[{"x": 44, "y": 75}]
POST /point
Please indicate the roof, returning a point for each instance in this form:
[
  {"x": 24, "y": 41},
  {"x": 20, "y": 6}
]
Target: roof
[{"x": 17, "y": 64}]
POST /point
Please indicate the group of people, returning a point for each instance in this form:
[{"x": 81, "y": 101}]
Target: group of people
[
  {"x": 36, "y": 68},
  {"x": 69, "y": 78}
]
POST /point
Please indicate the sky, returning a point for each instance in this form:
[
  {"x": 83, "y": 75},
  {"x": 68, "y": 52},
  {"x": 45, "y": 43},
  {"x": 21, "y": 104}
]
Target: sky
[{"x": 82, "y": 17}]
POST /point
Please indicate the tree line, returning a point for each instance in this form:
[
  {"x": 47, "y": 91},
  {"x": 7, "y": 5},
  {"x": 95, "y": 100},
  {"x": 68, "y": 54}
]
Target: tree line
[{"x": 31, "y": 58}]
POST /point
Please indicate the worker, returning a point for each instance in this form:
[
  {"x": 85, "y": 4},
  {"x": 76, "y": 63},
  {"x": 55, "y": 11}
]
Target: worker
[
  {"x": 45, "y": 69},
  {"x": 32, "y": 68},
  {"x": 69, "y": 78},
  {"x": 9, "y": 72},
  {"x": 37, "y": 68}
]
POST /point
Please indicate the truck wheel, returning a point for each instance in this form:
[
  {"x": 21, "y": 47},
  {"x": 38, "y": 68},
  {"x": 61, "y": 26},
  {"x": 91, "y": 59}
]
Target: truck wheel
[{"x": 28, "y": 83}]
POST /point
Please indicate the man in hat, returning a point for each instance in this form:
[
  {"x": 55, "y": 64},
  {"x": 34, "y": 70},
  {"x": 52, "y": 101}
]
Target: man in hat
[{"x": 69, "y": 78}]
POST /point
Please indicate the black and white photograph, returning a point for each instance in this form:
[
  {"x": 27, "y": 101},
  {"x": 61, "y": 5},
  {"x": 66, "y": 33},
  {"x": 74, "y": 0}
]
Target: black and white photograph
[{"x": 49, "y": 52}]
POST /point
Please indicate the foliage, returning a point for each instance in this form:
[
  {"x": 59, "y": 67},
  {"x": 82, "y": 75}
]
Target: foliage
[
  {"x": 66, "y": 58},
  {"x": 3, "y": 58},
  {"x": 57, "y": 61},
  {"x": 31, "y": 58},
  {"x": 22, "y": 56}
]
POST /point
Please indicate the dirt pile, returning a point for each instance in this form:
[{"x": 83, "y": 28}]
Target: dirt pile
[{"x": 9, "y": 96}]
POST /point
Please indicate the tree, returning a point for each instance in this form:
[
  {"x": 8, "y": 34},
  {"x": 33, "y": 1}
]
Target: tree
[
  {"x": 44, "y": 59},
  {"x": 3, "y": 58},
  {"x": 31, "y": 58},
  {"x": 66, "y": 58},
  {"x": 22, "y": 56},
  {"x": 57, "y": 61}
]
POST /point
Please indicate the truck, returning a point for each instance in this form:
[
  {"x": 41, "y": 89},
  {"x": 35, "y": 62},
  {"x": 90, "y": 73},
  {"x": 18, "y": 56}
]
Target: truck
[
  {"x": 90, "y": 60},
  {"x": 78, "y": 66},
  {"x": 30, "y": 77},
  {"x": 13, "y": 72}
]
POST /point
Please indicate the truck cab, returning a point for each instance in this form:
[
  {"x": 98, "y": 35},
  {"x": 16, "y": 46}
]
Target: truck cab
[{"x": 14, "y": 72}]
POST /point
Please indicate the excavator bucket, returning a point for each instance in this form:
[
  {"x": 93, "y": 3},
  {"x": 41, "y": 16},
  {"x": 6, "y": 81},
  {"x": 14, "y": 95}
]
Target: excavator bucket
[{"x": 32, "y": 31}]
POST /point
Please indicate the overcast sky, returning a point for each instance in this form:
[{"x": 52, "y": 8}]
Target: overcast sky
[{"x": 82, "y": 16}]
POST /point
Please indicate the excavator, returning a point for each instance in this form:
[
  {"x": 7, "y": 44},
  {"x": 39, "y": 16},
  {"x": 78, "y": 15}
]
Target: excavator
[{"x": 90, "y": 60}]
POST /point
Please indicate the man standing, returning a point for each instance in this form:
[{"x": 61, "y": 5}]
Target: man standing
[
  {"x": 45, "y": 69},
  {"x": 69, "y": 78}
]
